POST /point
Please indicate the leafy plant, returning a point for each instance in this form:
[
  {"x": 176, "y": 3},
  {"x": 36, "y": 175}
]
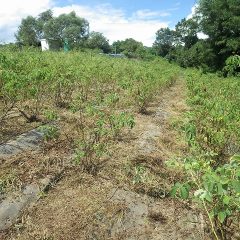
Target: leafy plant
[
  {"x": 213, "y": 163},
  {"x": 50, "y": 132},
  {"x": 119, "y": 121},
  {"x": 232, "y": 65},
  {"x": 216, "y": 190},
  {"x": 140, "y": 174},
  {"x": 51, "y": 115}
]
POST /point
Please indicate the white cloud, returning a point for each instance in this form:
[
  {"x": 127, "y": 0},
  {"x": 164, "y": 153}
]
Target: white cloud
[
  {"x": 115, "y": 25},
  {"x": 148, "y": 14},
  {"x": 200, "y": 35},
  {"x": 193, "y": 11},
  {"x": 12, "y": 11}
]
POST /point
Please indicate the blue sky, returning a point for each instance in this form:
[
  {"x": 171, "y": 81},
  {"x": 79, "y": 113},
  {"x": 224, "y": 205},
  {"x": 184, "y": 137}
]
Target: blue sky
[
  {"x": 116, "y": 19},
  {"x": 177, "y": 9}
]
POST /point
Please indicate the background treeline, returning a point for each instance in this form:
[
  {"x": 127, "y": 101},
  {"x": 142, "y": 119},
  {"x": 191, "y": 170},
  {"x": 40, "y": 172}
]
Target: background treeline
[
  {"x": 218, "y": 22},
  {"x": 209, "y": 40},
  {"x": 74, "y": 30}
]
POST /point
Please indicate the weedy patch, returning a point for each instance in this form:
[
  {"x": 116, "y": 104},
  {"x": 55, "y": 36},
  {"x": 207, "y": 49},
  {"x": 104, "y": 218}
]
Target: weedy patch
[
  {"x": 212, "y": 176},
  {"x": 9, "y": 182}
]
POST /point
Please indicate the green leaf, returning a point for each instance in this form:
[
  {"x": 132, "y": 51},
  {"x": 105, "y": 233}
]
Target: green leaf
[
  {"x": 236, "y": 158},
  {"x": 173, "y": 191},
  {"x": 203, "y": 195},
  {"x": 184, "y": 193},
  {"x": 210, "y": 186},
  {"x": 208, "y": 197},
  {"x": 226, "y": 200},
  {"x": 236, "y": 186},
  {"x": 220, "y": 188},
  {"x": 222, "y": 216}
]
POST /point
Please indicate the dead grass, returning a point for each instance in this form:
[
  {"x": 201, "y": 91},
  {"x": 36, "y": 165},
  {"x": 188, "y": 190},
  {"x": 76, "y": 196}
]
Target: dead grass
[
  {"x": 80, "y": 206},
  {"x": 13, "y": 127}
]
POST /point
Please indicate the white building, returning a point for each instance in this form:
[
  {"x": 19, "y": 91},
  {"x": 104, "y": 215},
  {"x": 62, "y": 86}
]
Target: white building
[{"x": 44, "y": 45}]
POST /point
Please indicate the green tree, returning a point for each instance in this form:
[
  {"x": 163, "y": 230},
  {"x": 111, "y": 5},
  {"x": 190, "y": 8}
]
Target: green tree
[
  {"x": 68, "y": 27},
  {"x": 165, "y": 41},
  {"x": 28, "y": 33},
  {"x": 186, "y": 32},
  {"x": 130, "y": 47},
  {"x": 31, "y": 29},
  {"x": 200, "y": 55},
  {"x": 145, "y": 52},
  {"x": 220, "y": 20},
  {"x": 42, "y": 19},
  {"x": 96, "y": 40},
  {"x": 45, "y": 16}
]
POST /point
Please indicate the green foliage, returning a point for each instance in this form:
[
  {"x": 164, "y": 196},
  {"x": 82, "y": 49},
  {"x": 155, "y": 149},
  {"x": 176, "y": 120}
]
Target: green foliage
[
  {"x": 181, "y": 190},
  {"x": 140, "y": 174},
  {"x": 219, "y": 20},
  {"x": 68, "y": 27},
  {"x": 232, "y": 67},
  {"x": 164, "y": 42},
  {"x": 212, "y": 168},
  {"x": 28, "y": 32},
  {"x": 51, "y": 115},
  {"x": 217, "y": 190},
  {"x": 119, "y": 121},
  {"x": 9, "y": 182},
  {"x": 216, "y": 113},
  {"x": 200, "y": 55},
  {"x": 186, "y": 32},
  {"x": 96, "y": 40},
  {"x": 50, "y": 132},
  {"x": 94, "y": 87},
  {"x": 56, "y": 30},
  {"x": 95, "y": 136},
  {"x": 131, "y": 48}
]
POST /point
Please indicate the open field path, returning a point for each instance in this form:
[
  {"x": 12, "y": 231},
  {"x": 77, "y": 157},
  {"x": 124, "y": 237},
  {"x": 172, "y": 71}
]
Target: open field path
[{"x": 128, "y": 199}]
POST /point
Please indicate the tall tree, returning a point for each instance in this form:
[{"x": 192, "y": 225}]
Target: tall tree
[
  {"x": 220, "y": 20},
  {"x": 68, "y": 27},
  {"x": 186, "y": 31},
  {"x": 165, "y": 41},
  {"x": 96, "y": 40},
  {"x": 130, "y": 47},
  {"x": 31, "y": 29},
  {"x": 42, "y": 20},
  {"x": 45, "y": 16},
  {"x": 27, "y": 33}
]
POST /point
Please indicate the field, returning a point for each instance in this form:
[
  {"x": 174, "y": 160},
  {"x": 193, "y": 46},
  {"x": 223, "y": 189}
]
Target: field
[{"x": 130, "y": 148}]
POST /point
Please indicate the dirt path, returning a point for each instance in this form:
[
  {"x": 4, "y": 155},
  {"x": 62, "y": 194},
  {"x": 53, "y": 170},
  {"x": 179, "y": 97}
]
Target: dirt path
[{"x": 129, "y": 197}]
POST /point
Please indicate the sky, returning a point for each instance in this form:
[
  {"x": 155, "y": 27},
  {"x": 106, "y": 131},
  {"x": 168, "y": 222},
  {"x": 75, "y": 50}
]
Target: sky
[{"x": 116, "y": 19}]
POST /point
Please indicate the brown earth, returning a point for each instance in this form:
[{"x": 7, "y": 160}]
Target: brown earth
[{"x": 128, "y": 198}]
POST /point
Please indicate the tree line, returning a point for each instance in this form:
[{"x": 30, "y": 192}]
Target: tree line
[
  {"x": 74, "y": 30},
  {"x": 217, "y": 20}
]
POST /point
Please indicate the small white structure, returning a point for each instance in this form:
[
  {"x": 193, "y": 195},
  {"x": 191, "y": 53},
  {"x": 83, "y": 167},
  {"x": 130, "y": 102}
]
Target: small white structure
[{"x": 44, "y": 45}]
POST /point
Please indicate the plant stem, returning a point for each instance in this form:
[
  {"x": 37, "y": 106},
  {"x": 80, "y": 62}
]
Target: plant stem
[{"x": 210, "y": 219}]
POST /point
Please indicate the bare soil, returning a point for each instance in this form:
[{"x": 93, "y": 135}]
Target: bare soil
[{"x": 127, "y": 199}]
